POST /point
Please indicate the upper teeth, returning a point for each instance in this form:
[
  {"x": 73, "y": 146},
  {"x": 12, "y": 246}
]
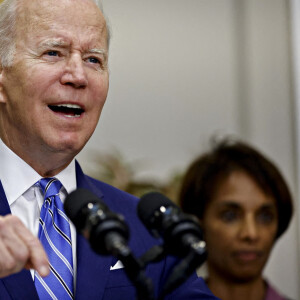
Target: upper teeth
[{"x": 69, "y": 105}]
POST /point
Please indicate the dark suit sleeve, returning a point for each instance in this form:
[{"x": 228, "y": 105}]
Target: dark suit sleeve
[{"x": 193, "y": 288}]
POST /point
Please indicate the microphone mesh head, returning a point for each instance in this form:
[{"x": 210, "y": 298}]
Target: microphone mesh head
[
  {"x": 149, "y": 204},
  {"x": 76, "y": 200}
]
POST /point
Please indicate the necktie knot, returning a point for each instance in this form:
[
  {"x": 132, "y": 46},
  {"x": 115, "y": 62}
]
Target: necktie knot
[{"x": 50, "y": 187}]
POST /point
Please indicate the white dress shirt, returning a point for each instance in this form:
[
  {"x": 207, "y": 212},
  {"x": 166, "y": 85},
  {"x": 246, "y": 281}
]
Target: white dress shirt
[{"x": 24, "y": 198}]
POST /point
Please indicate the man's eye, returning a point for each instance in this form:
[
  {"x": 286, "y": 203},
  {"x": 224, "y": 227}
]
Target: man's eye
[
  {"x": 52, "y": 53},
  {"x": 93, "y": 60}
]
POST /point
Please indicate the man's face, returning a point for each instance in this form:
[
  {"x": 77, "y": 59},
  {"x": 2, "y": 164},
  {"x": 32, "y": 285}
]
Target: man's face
[{"x": 52, "y": 95}]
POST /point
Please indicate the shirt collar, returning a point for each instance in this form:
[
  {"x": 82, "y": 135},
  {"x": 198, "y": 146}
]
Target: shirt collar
[{"x": 17, "y": 176}]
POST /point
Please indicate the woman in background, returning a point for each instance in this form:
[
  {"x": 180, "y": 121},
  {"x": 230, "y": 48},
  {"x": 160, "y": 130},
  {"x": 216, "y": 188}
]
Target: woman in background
[{"x": 244, "y": 205}]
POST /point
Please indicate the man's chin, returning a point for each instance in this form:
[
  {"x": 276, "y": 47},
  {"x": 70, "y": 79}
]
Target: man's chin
[
  {"x": 66, "y": 147},
  {"x": 70, "y": 143}
]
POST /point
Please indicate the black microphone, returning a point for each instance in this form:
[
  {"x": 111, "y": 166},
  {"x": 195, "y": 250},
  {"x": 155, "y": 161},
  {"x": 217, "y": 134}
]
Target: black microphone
[
  {"x": 107, "y": 234},
  {"x": 181, "y": 234},
  {"x": 106, "y": 231},
  {"x": 163, "y": 218}
]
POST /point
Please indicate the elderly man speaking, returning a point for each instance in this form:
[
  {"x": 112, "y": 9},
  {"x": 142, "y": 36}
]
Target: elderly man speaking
[{"x": 53, "y": 84}]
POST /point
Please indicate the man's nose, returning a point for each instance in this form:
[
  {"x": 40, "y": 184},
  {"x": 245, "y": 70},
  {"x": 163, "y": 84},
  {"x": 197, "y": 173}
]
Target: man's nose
[
  {"x": 249, "y": 229},
  {"x": 75, "y": 73}
]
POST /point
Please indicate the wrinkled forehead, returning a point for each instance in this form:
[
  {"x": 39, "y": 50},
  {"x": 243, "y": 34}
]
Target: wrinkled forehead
[{"x": 79, "y": 17}]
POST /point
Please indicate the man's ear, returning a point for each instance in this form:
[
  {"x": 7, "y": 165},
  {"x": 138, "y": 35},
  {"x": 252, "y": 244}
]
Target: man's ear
[{"x": 2, "y": 94}]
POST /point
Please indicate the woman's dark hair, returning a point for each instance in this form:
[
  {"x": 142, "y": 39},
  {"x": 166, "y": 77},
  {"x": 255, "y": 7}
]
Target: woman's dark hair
[{"x": 210, "y": 169}]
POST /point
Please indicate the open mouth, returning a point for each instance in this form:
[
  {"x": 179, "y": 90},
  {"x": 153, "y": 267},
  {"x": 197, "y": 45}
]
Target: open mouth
[{"x": 68, "y": 110}]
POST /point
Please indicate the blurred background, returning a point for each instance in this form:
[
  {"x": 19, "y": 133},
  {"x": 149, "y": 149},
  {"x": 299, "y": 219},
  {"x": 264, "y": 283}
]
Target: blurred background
[{"x": 184, "y": 71}]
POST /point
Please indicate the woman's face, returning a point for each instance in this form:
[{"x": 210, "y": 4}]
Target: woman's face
[{"x": 240, "y": 225}]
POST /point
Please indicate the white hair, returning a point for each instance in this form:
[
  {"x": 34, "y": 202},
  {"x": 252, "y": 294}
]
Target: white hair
[
  {"x": 8, "y": 12},
  {"x": 7, "y": 31}
]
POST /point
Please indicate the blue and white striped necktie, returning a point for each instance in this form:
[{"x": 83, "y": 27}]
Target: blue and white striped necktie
[{"x": 55, "y": 236}]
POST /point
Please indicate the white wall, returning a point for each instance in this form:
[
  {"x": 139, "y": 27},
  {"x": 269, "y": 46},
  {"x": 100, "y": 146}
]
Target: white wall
[
  {"x": 172, "y": 79},
  {"x": 270, "y": 122},
  {"x": 184, "y": 70}
]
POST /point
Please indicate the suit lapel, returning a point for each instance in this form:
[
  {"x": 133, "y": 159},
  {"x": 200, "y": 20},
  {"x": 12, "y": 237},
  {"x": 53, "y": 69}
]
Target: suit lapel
[
  {"x": 20, "y": 285},
  {"x": 92, "y": 269},
  {"x": 4, "y": 207}
]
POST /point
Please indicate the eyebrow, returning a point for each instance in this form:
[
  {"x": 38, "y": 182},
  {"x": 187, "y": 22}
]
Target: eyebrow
[
  {"x": 230, "y": 204},
  {"x": 99, "y": 52},
  {"x": 61, "y": 43},
  {"x": 54, "y": 43},
  {"x": 269, "y": 206},
  {"x": 234, "y": 205}
]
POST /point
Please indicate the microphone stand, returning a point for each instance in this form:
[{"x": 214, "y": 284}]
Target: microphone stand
[
  {"x": 132, "y": 266},
  {"x": 194, "y": 259}
]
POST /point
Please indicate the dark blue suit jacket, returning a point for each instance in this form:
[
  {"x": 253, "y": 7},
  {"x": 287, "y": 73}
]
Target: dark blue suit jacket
[{"x": 95, "y": 280}]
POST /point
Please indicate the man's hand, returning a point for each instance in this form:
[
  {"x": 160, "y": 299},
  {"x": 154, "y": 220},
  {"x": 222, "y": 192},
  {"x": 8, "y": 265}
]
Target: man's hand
[{"x": 19, "y": 248}]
